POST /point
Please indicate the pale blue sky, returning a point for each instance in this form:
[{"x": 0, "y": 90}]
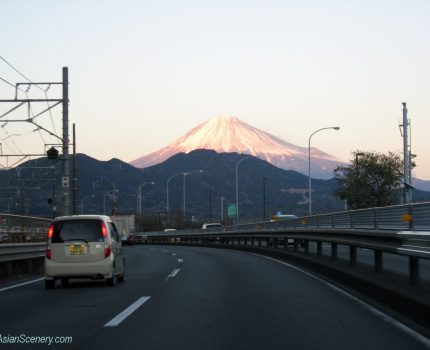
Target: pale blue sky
[{"x": 142, "y": 73}]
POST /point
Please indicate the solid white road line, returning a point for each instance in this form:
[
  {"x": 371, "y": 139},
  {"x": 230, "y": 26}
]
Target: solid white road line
[
  {"x": 21, "y": 284},
  {"x": 417, "y": 336},
  {"x": 173, "y": 273},
  {"x": 127, "y": 312}
]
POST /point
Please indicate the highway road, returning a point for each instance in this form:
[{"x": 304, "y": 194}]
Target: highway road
[{"x": 199, "y": 298}]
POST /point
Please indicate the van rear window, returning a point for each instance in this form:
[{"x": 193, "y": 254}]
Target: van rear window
[{"x": 86, "y": 230}]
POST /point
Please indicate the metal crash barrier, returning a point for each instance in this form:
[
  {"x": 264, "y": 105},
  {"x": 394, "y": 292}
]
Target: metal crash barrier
[{"x": 397, "y": 230}]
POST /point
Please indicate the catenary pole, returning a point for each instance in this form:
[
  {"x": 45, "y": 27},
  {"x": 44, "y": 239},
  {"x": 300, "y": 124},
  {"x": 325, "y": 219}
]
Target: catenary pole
[{"x": 65, "y": 197}]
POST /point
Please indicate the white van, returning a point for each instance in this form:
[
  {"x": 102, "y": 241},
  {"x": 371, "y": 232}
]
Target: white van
[{"x": 83, "y": 246}]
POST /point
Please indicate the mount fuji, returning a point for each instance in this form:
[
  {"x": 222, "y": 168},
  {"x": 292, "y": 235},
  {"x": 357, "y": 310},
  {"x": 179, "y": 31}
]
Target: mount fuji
[{"x": 230, "y": 134}]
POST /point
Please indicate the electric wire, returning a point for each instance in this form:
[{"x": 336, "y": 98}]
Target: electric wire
[
  {"x": 38, "y": 127},
  {"x": 32, "y": 115},
  {"x": 49, "y": 110},
  {"x": 45, "y": 91},
  {"x": 16, "y": 70},
  {"x": 7, "y": 82}
]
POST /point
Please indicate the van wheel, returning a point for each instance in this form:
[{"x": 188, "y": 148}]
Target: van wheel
[
  {"x": 49, "y": 284},
  {"x": 111, "y": 281},
  {"x": 64, "y": 282},
  {"x": 121, "y": 277}
]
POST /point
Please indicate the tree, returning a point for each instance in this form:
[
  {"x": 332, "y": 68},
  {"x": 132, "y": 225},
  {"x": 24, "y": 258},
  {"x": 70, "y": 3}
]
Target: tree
[{"x": 371, "y": 180}]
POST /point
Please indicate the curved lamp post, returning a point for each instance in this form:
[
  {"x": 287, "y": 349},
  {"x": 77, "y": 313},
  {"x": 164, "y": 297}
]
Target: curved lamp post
[
  {"x": 82, "y": 202},
  {"x": 183, "y": 186},
  {"x": 139, "y": 198},
  {"x": 309, "y": 163},
  {"x": 183, "y": 191},
  {"x": 237, "y": 187}
]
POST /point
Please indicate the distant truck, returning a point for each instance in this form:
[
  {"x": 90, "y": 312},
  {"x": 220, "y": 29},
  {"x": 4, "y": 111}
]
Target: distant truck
[{"x": 125, "y": 224}]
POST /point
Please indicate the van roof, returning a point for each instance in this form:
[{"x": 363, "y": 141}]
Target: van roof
[{"x": 83, "y": 217}]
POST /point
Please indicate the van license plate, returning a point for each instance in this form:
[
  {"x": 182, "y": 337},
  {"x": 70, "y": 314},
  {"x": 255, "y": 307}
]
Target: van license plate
[{"x": 77, "y": 250}]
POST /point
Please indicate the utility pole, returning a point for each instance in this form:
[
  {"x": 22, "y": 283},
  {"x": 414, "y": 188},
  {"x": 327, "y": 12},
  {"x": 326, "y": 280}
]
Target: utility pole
[
  {"x": 407, "y": 179},
  {"x": 222, "y": 209},
  {"x": 264, "y": 197},
  {"x": 75, "y": 178},
  {"x": 65, "y": 202},
  {"x": 210, "y": 204}
]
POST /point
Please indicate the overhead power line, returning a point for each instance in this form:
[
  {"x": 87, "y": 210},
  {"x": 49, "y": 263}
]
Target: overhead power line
[
  {"x": 7, "y": 82},
  {"x": 19, "y": 72},
  {"x": 16, "y": 70},
  {"x": 29, "y": 80}
]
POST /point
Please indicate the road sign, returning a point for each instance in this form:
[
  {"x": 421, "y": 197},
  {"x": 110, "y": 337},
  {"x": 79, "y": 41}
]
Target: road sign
[{"x": 232, "y": 210}]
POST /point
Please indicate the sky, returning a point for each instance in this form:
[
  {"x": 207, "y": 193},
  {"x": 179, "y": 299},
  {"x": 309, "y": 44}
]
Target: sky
[{"x": 143, "y": 73}]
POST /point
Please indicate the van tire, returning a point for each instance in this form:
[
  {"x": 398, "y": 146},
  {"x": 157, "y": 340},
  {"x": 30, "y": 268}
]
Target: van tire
[
  {"x": 49, "y": 284},
  {"x": 64, "y": 281},
  {"x": 121, "y": 277},
  {"x": 111, "y": 282}
]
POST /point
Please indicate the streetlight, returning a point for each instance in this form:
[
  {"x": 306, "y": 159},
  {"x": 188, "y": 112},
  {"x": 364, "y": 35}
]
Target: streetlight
[
  {"x": 183, "y": 191},
  {"x": 139, "y": 198},
  {"x": 82, "y": 201},
  {"x": 104, "y": 199},
  {"x": 183, "y": 188},
  {"x": 264, "y": 197},
  {"x": 222, "y": 209},
  {"x": 210, "y": 203},
  {"x": 237, "y": 187},
  {"x": 167, "y": 199},
  {"x": 309, "y": 153}
]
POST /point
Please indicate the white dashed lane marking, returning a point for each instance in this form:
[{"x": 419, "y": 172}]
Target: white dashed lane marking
[
  {"x": 173, "y": 273},
  {"x": 127, "y": 312}
]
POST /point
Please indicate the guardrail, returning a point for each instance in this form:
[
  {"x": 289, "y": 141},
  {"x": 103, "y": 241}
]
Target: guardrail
[
  {"x": 24, "y": 257},
  {"x": 396, "y": 229},
  {"x": 21, "y": 251},
  {"x": 413, "y": 244},
  {"x": 398, "y": 217}
]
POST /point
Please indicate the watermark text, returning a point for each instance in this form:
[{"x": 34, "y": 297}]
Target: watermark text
[{"x": 29, "y": 339}]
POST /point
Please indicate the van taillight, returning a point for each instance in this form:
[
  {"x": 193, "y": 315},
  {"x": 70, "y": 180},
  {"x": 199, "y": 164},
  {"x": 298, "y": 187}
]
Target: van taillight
[
  {"x": 48, "y": 247},
  {"x": 104, "y": 230},
  {"x": 107, "y": 251},
  {"x": 106, "y": 240},
  {"x": 50, "y": 231}
]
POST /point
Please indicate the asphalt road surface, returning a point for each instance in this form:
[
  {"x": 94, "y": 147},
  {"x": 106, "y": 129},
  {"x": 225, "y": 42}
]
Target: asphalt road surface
[{"x": 198, "y": 298}]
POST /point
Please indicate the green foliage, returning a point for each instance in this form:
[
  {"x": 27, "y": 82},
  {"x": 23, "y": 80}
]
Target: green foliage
[{"x": 371, "y": 180}]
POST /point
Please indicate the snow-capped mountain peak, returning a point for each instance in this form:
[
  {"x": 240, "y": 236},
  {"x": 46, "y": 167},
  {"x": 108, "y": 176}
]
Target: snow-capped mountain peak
[{"x": 230, "y": 134}]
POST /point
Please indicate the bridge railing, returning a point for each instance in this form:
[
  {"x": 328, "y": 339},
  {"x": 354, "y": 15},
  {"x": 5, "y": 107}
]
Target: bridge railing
[
  {"x": 20, "y": 229},
  {"x": 403, "y": 217},
  {"x": 397, "y": 230}
]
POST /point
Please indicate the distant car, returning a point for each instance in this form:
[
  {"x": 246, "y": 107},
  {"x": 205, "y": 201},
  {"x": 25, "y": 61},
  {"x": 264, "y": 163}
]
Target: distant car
[
  {"x": 211, "y": 225},
  {"x": 125, "y": 240},
  {"x": 83, "y": 246},
  {"x": 169, "y": 229}
]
